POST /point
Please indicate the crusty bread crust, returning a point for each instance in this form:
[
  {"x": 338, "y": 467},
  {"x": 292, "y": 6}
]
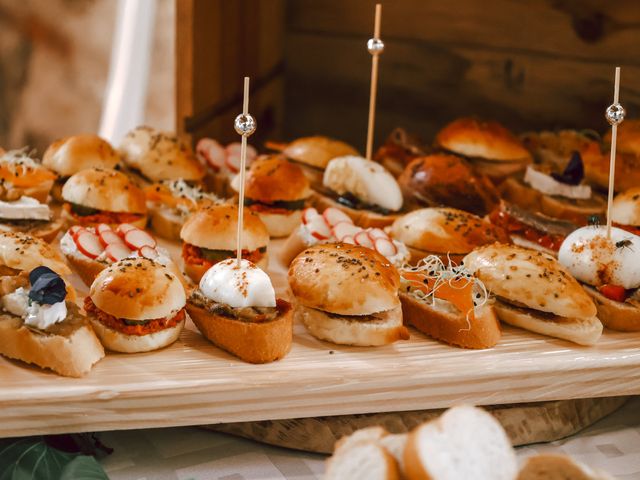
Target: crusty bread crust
[
  {"x": 362, "y": 218},
  {"x": 164, "y": 222},
  {"x": 195, "y": 272},
  {"x": 71, "y": 154},
  {"x": 249, "y": 341},
  {"x": 486, "y": 139},
  {"x": 626, "y": 207},
  {"x": 615, "y": 315},
  {"x": 105, "y": 189},
  {"x": 215, "y": 227},
  {"x": 550, "y": 466},
  {"x": 531, "y": 278},
  {"x": 344, "y": 279},
  {"x": 385, "y": 329},
  {"x": 123, "y": 343},
  {"x": 46, "y": 232},
  {"x": 273, "y": 178},
  {"x": 71, "y": 355},
  {"x": 454, "y": 329},
  {"x": 316, "y": 151},
  {"x": 138, "y": 289}
]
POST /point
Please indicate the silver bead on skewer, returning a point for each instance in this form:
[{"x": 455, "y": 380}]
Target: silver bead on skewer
[
  {"x": 615, "y": 114},
  {"x": 245, "y": 124},
  {"x": 375, "y": 46}
]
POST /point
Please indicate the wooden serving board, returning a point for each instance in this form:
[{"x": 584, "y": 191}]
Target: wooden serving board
[{"x": 194, "y": 383}]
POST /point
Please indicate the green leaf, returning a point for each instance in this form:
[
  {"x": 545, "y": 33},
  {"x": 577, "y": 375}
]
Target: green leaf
[{"x": 32, "y": 459}]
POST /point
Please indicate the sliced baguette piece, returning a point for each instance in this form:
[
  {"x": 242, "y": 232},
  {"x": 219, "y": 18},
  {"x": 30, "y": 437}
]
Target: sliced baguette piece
[
  {"x": 465, "y": 442},
  {"x": 622, "y": 316},
  {"x": 250, "y": 341},
  {"x": 362, "y": 218},
  {"x": 384, "y": 329},
  {"x": 452, "y": 327},
  {"x": 69, "y": 348},
  {"x": 164, "y": 222},
  {"x": 293, "y": 245},
  {"x": 583, "y": 331},
  {"x": 45, "y": 231},
  {"x": 558, "y": 467},
  {"x": 362, "y": 461},
  {"x": 364, "y": 435}
]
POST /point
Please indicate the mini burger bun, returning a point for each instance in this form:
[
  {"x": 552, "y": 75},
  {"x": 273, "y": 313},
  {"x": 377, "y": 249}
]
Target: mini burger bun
[
  {"x": 344, "y": 279},
  {"x": 628, "y": 139},
  {"x": 120, "y": 342},
  {"x": 215, "y": 227},
  {"x": 317, "y": 151},
  {"x": 626, "y": 207},
  {"x": 160, "y": 155},
  {"x": 104, "y": 189},
  {"x": 480, "y": 139},
  {"x": 138, "y": 289},
  {"x": 273, "y": 178},
  {"x": 70, "y": 155}
]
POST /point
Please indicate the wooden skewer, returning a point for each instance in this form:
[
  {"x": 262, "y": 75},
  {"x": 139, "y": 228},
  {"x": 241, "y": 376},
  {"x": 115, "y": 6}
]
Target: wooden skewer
[
  {"x": 374, "y": 83},
  {"x": 612, "y": 159},
  {"x": 243, "y": 163}
]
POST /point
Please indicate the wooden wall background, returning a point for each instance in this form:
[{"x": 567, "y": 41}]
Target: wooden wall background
[{"x": 528, "y": 63}]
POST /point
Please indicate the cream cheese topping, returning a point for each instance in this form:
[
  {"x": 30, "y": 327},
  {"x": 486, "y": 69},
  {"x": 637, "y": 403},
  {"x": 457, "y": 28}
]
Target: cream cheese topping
[
  {"x": 368, "y": 181},
  {"x": 238, "y": 286},
  {"x": 550, "y": 186},
  {"x": 33, "y": 313},
  {"x": 26, "y": 208}
]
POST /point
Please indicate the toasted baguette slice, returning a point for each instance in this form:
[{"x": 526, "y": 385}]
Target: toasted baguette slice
[
  {"x": 363, "y": 461},
  {"x": 362, "y": 218},
  {"x": 464, "y": 443},
  {"x": 558, "y": 467},
  {"x": 583, "y": 331},
  {"x": 394, "y": 444},
  {"x": 450, "y": 326},
  {"x": 69, "y": 348},
  {"x": 86, "y": 268},
  {"x": 293, "y": 245},
  {"x": 164, "y": 222},
  {"x": 280, "y": 225},
  {"x": 621, "y": 316},
  {"x": 383, "y": 329},
  {"x": 249, "y": 341},
  {"x": 523, "y": 242},
  {"x": 46, "y": 231}
]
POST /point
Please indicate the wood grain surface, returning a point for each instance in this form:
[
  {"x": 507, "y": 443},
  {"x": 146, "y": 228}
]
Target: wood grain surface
[{"x": 194, "y": 383}]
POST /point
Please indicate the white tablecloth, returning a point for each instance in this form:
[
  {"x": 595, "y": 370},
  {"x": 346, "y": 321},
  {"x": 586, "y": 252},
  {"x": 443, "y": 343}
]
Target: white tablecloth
[{"x": 190, "y": 453}]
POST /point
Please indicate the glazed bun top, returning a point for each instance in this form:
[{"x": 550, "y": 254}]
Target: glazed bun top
[
  {"x": 160, "y": 155},
  {"x": 138, "y": 289},
  {"x": 447, "y": 180},
  {"x": 628, "y": 137},
  {"x": 273, "y": 178},
  {"x": 20, "y": 251},
  {"x": 445, "y": 230},
  {"x": 625, "y": 209},
  {"x": 317, "y": 151},
  {"x": 104, "y": 189},
  {"x": 530, "y": 278},
  {"x": 344, "y": 279},
  {"x": 215, "y": 227},
  {"x": 487, "y": 140},
  {"x": 70, "y": 155}
]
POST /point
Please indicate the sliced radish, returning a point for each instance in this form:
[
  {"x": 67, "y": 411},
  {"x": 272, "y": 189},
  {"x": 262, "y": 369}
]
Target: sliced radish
[
  {"x": 376, "y": 233},
  {"x": 136, "y": 239},
  {"x": 232, "y": 161},
  {"x": 235, "y": 147},
  {"x": 319, "y": 228},
  {"x": 363, "y": 240},
  {"x": 109, "y": 237},
  {"x": 124, "y": 228},
  {"x": 344, "y": 229},
  {"x": 117, "y": 251},
  {"x": 334, "y": 216},
  {"x": 76, "y": 229},
  {"x": 211, "y": 152},
  {"x": 148, "y": 252},
  {"x": 348, "y": 239},
  {"x": 103, "y": 227},
  {"x": 308, "y": 214},
  {"x": 89, "y": 244},
  {"x": 385, "y": 247}
]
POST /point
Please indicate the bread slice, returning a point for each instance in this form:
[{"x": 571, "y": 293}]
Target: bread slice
[
  {"x": 583, "y": 331},
  {"x": 370, "y": 331},
  {"x": 621, "y": 316},
  {"x": 465, "y": 442},
  {"x": 292, "y": 246},
  {"x": 252, "y": 342},
  {"x": 86, "y": 268},
  {"x": 69, "y": 348},
  {"x": 451, "y": 326},
  {"x": 46, "y": 231},
  {"x": 164, "y": 222},
  {"x": 558, "y": 467},
  {"x": 362, "y": 218},
  {"x": 364, "y": 461}
]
